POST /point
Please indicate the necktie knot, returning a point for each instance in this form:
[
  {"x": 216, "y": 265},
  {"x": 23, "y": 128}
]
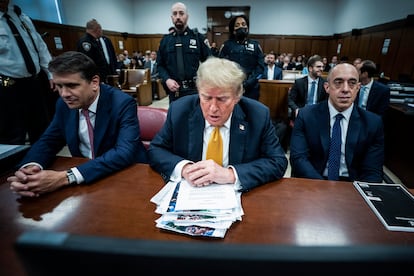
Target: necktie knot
[{"x": 339, "y": 117}]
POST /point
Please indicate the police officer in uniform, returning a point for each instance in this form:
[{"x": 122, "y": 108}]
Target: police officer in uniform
[
  {"x": 179, "y": 55},
  {"x": 25, "y": 81},
  {"x": 90, "y": 45},
  {"x": 246, "y": 52}
]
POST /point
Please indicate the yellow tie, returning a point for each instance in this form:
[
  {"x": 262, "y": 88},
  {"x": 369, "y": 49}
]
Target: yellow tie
[{"x": 215, "y": 147}]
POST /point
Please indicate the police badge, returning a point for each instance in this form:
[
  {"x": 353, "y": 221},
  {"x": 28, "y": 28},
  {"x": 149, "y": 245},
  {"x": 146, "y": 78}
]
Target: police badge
[{"x": 86, "y": 46}]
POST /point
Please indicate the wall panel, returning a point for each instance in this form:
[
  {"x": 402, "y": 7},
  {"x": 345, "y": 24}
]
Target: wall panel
[{"x": 397, "y": 62}]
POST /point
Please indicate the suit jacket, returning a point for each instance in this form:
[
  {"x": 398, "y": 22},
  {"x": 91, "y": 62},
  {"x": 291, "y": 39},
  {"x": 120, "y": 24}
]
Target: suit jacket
[
  {"x": 112, "y": 55},
  {"x": 364, "y": 148},
  {"x": 378, "y": 98},
  {"x": 254, "y": 150},
  {"x": 154, "y": 72},
  {"x": 277, "y": 73},
  {"x": 117, "y": 142},
  {"x": 298, "y": 94}
]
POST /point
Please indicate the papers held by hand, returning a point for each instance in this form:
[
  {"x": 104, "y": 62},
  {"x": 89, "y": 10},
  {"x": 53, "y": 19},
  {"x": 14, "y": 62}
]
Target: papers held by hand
[{"x": 197, "y": 211}]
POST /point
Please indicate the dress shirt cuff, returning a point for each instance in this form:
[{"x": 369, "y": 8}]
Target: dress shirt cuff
[
  {"x": 78, "y": 175},
  {"x": 177, "y": 172},
  {"x": 237, "y": 183},
  {"x": 31, "y": 164}
]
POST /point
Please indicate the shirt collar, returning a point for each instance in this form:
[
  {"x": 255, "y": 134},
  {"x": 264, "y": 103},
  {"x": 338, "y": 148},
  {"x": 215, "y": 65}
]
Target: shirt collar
[
  {"x": 310, "y": 80},
  {"x": 226, "y": 124},
  {"x": 333, "y": 112},
  {"x": 93, "y": 106},
  {"x": 368, "y": 85}
]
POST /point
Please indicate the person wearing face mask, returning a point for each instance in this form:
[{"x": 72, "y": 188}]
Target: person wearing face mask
[{"x": 246, "y": 52}]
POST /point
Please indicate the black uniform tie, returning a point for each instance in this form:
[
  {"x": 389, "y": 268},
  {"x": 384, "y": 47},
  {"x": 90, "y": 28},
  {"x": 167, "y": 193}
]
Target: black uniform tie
[
  {"x": 31, "y": 68},
  {"x": 180, "y": 60}
]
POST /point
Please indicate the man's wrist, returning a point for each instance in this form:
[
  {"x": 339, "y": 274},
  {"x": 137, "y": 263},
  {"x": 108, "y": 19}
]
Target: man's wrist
[{"x": 70, "y": 177}]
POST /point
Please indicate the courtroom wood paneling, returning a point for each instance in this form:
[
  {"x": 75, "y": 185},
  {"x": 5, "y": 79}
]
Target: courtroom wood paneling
[
  {"x": 405, "y": 55},
  {"x": 332, "y": 46},
  {"x": 375, "y": 46},
  {"x": 302, "y": 46},
  {"x": 287, "y": 45},
  {"x": 274, "y": 94},
  {"x": 319, "y": 47},
  {"x": 362, "y": 48},
  {"x": 271, "y": 44},
  {"x": 388, "y": 60},
  {"x": 367, "y": 45}
]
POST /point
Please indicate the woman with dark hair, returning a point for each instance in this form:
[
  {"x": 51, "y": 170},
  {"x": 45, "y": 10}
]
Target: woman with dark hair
[{"x": 246, "y": 52}]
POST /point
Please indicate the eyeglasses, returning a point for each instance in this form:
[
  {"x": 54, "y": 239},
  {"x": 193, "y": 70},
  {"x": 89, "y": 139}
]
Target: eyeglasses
[{"x": 339, "y": 83}]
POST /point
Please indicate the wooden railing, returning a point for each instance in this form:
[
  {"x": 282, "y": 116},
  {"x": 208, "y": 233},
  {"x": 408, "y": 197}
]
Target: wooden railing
[{"x": 274, "y": 94}]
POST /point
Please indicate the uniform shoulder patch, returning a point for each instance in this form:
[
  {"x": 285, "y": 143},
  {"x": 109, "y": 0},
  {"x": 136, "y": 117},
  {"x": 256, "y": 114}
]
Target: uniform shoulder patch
[{"x": 86, "y": 46}]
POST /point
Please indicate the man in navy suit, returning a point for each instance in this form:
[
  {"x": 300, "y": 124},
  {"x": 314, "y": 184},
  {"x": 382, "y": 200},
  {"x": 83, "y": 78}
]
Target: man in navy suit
[
  {"x": 271, "y": 71},
  {"x": 373, "y": 95},
  {"x": 362, "y": 151},
  {"x": 114, "y": 145},
  {"x": 299, "y": 94},
  {"x": 252, "y": 154}
]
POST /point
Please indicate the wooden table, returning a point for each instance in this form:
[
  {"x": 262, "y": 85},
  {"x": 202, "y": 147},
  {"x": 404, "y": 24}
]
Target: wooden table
[{"x": 290, "y": 211}]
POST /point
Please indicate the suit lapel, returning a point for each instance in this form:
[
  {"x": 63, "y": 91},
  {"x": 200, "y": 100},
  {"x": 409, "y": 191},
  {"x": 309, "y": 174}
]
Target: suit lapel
[
  {"x": 238, "y": 133},
  {"x": 352, "y": 136},
  {"x": 324, "y": 127},
  {"x": 321, "y": 89},
  {"x": 101, "y": 119},
  {"x": 195, "y": 135},
  {"x": 72, "y": 132}
]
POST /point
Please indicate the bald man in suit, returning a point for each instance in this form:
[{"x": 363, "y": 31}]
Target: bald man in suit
[{"x": 362, "y": 150}]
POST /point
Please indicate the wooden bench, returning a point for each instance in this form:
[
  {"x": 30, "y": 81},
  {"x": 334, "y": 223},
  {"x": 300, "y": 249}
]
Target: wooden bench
[
  {"x": 137, "y": 83},
  {"x": 274, "y": 94}
]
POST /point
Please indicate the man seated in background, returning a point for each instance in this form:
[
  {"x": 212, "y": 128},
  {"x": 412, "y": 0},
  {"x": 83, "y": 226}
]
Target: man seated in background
[
  {"x": 94, "y": 120},
  {"x": 338, "y": 123},
  {"x": 151, "y": 64},
  {"x": 309, "y": 89},
  {"x": 373, "y": 95},
  {"x": 271, "y": 71},
  {"x": 249, "y": 154}
]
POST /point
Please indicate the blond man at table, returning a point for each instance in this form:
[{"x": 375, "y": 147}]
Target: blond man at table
[{"x": 251, "y": 152}]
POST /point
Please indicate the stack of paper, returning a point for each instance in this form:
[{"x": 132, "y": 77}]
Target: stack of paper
[{"x": 198, "y": 211}]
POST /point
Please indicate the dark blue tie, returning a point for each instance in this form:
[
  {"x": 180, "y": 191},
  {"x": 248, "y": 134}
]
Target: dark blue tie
[
  {"x": 335, "y": 149},
  {"x": 312, "y": 93}
]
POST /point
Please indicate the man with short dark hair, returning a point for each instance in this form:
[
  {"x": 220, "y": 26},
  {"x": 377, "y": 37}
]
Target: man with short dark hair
[
  {"x": 373, "y": 95},
  {"x": 94, "y": 120},
  {"x": 309, "y": 89}
]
